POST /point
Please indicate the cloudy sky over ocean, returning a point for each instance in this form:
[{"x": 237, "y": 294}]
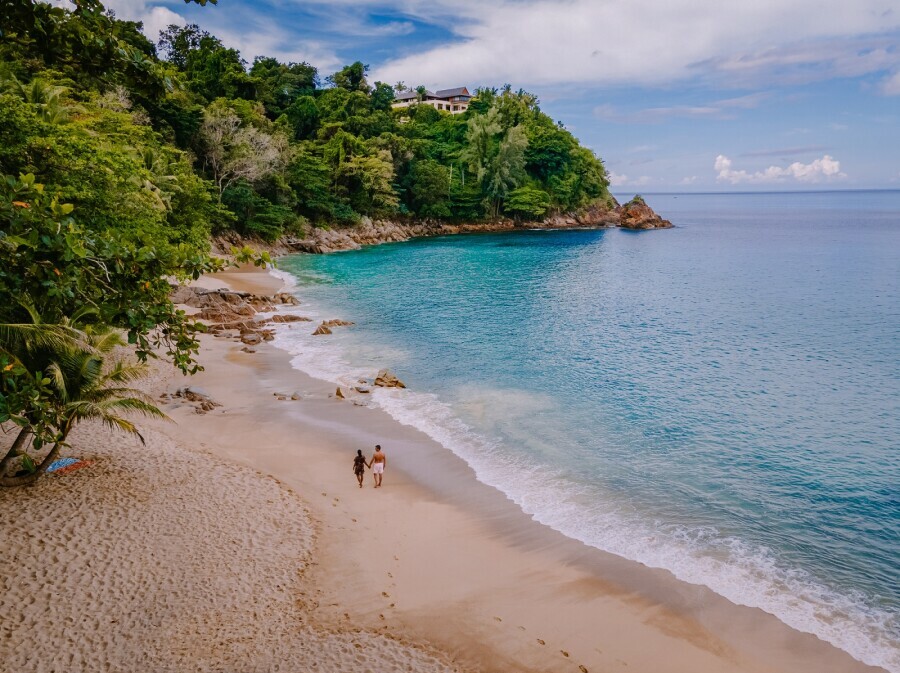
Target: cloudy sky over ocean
[{"x": 674, "y": 95}]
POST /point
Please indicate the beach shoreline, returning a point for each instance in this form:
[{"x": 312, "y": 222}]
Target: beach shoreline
[
  {"x": 435, "y": 558},
  {"x": 497, "y": 533}
]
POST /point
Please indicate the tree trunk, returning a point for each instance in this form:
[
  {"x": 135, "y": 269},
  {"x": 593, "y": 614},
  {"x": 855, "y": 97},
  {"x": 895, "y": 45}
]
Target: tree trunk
[
  {"x": 17, "y": 445},
  {"x": 30, "y": 478},
  {"x": 48, "y": 460}
]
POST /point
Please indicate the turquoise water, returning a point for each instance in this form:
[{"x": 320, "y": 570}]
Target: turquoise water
[{"x": 721, "y": 399}]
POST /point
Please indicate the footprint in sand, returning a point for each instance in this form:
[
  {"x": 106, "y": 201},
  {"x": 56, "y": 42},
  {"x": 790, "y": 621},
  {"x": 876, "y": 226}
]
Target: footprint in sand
[
  {"x": 385, "y": 594},
  {"x": 498, "y": 619},
  {"x": 582, "y": 668},
  {"x": 564, "y": 653},
  {"x": 541, "y": 641}
]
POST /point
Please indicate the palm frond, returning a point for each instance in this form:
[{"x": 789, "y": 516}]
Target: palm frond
[
  {"x": 88, "y": 370},
  {"x": 25, "y": 302},
  {"x": 58, "y": 378},
  {"x": 102, "y": 395},
  {"x": 78, "y": 316},
  {"x": 135, "y": 405},
  {"x": 106, "y": 341},
  {"x": 123, "y": 424},
  {"x": 19, "y": 339},
  {"x": 88, "y": 409},
  {"x": 125, "y": 373}
]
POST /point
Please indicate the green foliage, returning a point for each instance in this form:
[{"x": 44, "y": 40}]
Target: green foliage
[
  {"x": 528, "y": 202},
  {"x": 58, "y": 268},
  {"x": 280, "y": 85},
  {"x": 74, "y": 380},
  {"x": 183, "y": 138},
  {"x": 238, "y": 143},
  {"x": 497, "y": 158},
  {"x": 637, "y": 200},
  {"x": 256, "y": 215},
  {"x": 351, "y": 77},
  {"x": 429, "y": 189},
  {"x": 382, "y": 96},
  {"x": 212, "y": 70},
  {"x": 303, "y": 116}
]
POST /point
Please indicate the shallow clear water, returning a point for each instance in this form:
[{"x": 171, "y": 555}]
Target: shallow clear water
[{"x": 721, "y": 399}]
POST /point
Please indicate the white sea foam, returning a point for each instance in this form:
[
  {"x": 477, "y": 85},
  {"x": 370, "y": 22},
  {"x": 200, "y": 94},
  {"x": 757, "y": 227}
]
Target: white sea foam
[{"x": 744, "y": 574}]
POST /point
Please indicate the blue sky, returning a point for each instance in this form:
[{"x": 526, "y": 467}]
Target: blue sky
[{"x": 673, "y": 95}]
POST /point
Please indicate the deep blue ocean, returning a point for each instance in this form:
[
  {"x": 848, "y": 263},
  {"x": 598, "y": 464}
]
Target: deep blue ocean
[{"x": 721, "y": 399}]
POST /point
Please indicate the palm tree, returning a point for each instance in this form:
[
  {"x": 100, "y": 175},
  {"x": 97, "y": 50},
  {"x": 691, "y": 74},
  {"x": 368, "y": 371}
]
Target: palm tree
[
  {"x": 22, "y": 346},
  {"x": 85, "y": 383},
  {"x": 46, "y": 97}
]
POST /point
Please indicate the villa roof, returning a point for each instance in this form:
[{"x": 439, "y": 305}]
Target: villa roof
[
  {"x": 447, "y": 93},
  {"x": 410, "y": 94}
]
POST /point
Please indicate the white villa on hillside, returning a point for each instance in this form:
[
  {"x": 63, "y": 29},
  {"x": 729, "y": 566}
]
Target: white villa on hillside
[{"x": 454, "y": 101}]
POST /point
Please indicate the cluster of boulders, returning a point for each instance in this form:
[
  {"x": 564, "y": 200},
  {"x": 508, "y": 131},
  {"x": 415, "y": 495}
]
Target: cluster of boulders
[
  {"x": 632, "y": 215},
  {"x": 193, "y": 395},
  {"x": 384, "y": 379},
  {"x": 326, "y": 325},
  {"x": 284, "y": 397},
  {"x": 232, "y": 314}
]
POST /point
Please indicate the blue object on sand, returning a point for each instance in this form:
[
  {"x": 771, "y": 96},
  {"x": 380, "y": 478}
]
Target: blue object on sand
[{"x": 61, "y": 463}]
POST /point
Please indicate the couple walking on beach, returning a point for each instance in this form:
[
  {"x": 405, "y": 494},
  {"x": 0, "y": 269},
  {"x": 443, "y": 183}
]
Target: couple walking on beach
[{"x": 377, "y": 463}]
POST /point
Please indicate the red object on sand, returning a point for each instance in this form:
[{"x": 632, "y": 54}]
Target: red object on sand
[{"x": 74, "y": 466}]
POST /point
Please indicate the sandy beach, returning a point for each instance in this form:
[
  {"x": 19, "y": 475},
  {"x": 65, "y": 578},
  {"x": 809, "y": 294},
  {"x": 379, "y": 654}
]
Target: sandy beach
[{"x": 238, "y": 540}]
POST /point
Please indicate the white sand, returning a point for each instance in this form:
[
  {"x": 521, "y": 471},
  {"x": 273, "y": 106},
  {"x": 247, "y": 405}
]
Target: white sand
[{"x": 161, "y": 559}]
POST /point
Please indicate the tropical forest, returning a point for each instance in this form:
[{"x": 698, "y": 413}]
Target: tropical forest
[{"x": 121, "y": 157}]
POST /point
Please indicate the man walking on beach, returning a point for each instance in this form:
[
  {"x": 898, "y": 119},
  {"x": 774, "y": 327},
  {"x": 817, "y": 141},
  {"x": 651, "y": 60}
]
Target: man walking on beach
[{"x": 378, "y": 463}]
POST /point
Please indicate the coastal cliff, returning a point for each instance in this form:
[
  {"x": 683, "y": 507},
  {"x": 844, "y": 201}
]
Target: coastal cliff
[{"x": 633, "y": 215}]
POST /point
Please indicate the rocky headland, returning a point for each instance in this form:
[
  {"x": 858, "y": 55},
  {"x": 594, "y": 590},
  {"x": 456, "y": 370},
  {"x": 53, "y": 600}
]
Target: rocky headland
[{"x": 635, "y": 214}]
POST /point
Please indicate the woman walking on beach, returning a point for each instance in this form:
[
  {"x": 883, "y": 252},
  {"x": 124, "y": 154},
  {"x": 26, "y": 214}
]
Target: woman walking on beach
[
  {"x": 378, "y": 463},
  {"x": 359, "y": 467}
]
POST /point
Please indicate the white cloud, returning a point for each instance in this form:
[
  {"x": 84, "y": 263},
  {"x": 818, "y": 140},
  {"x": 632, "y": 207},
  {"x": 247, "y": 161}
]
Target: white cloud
[
  {"x": 786, "y": 151},
  {"x": 619, "y": 180},
  {"x": 719, "y": 109},
  {"x": 689, "y": 180},
  {"x": 154, "y": 16},
  {"x": 646, "y": 41},
  {"x": 158, "y": 19},
  {"x": 266, "y": 37},
  {"x": 255, "y": 34},
  {"x": 891, "y": 85},
  {"x": 825, "y": 168}
]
